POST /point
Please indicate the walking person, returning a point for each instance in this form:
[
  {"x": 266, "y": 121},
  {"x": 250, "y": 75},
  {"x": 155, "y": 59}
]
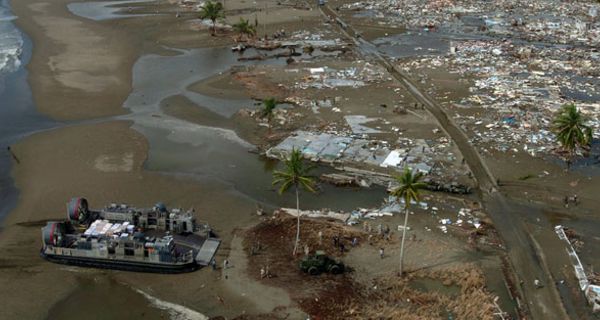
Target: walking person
[
  {"x": 381, "y": 253},
  {"x": 13, "y": 155},
  {"x": 225, "y": 264}
]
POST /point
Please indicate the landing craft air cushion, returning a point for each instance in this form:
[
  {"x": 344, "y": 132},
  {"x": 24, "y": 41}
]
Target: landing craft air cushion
[{"x": 127, "y": 238}]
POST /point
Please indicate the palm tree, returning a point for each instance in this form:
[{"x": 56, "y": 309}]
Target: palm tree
[
  {"x": 408, "y": 190},
  {"x": 296, "y": 174},
  {"x": 244, "y": 28},
  {"x": 269, "y": 106},
  {"x": 571, "y": 130},
  {"x": 213, "y": 11}
]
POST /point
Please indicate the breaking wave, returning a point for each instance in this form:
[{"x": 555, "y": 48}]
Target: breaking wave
[
  {"x": 11, "y": 41},
  {"x": 175, "y": 311}
]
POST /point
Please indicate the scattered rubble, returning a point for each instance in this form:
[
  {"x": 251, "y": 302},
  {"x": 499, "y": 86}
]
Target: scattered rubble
[
  {"x": 591, "y": 291},
  {"x": 520, "y": 87},
  {"x": 359, "y": 75},
  {"x": 550, "y": 20}
]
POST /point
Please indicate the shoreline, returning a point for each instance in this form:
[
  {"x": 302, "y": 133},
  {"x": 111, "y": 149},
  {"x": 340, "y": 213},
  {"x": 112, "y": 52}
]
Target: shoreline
[
  {"x": 25, "y": 275},
  {"x": 87, "y": 162},
  {"x": 66, "y": 85}
]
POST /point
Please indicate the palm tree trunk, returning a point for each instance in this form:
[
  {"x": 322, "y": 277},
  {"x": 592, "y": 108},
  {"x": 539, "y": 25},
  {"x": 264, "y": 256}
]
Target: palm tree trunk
[
  {"x": 570, "y": 157},
  {"x": 298, "y": 224},
  {"x": 403, "y": 236}
]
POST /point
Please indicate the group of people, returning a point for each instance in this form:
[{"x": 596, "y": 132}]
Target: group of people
[{"x": 338, "y": 243}]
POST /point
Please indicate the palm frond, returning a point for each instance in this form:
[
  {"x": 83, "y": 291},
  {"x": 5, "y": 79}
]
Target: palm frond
[
  {"x": 409, "y": 186},
  {"x": 295, "y": 173},
  {"x": 571, "y": 129}
]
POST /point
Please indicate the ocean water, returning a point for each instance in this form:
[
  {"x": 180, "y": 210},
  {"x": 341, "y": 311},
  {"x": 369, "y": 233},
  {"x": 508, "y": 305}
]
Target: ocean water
[
  {"x": 18, "y": 116},
  {"x": 11, "y": 42}
]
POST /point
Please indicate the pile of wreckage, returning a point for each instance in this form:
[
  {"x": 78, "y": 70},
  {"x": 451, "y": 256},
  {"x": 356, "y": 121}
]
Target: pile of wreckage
[
  {"x": 550, "y": 20},
  {"x": 520, "y": 88},
  {"x": 359, "y": 75},
  {"x": 368, "y": 161},
  {"x": 466, "y": 219}
]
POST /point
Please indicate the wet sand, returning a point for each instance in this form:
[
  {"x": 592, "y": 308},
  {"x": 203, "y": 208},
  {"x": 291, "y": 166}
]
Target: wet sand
[
  {"x": 105, "y": 163},
  {"x": 74, "y": 63},
  {"x": 92, "y": 165}
]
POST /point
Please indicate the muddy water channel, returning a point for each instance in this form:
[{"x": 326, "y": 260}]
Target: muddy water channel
[
  {"x": 212, "y": 154},
  {"x": 218, "y": 156}
]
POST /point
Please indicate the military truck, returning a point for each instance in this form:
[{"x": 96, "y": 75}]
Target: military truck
[{"x": 319, "y": 263}]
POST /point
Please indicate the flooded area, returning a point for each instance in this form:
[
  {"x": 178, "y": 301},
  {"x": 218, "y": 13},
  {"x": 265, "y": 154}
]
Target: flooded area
[
  {"x": 105, "y": 10},
  {"x": 412, "y": 44},
  {"x": 210, "y": 153}
]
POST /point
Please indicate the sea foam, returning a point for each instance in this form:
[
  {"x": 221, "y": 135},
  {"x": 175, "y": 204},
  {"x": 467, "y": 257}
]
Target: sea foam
[
  {"x": 175, "y": 311},
  {"x": 11, "y": 41}
]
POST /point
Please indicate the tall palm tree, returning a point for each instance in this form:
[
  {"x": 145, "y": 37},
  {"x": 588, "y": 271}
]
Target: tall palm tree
[
  {"x": 269, "y": 106},
  {"x": 296, "y": 174},
  {"x": 571, "y": 130},
  {"x": 244, "y": 28},
  {"x": 408, "y": 190},
  {"x": 213, "y": 11}
]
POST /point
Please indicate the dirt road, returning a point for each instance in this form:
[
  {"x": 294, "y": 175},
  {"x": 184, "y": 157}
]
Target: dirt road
[{"x": 528, "y": 264}]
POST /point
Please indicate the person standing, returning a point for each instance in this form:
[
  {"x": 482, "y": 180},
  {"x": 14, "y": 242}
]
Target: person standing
[
  {"x": 213, "y": 264},
  {"x": 381, "y": 253}
]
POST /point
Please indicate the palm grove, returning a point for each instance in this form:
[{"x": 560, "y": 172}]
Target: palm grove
[{"x": 214, "y": 11}]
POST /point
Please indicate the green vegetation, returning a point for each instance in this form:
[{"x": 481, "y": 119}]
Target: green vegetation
[
  {"x": 296, "y": 174},
  {"x": 571, "y": 131},
  {"x": 409, "y": 190},
  {"x": 213, "y": 11},
  {"x": 244, "y": 28},
  {"x": 269, "y": 106}
]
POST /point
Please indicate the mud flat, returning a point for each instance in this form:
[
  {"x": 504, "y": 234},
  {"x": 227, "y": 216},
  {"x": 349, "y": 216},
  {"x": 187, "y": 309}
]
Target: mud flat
[{"x": 85, "y": 161}]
